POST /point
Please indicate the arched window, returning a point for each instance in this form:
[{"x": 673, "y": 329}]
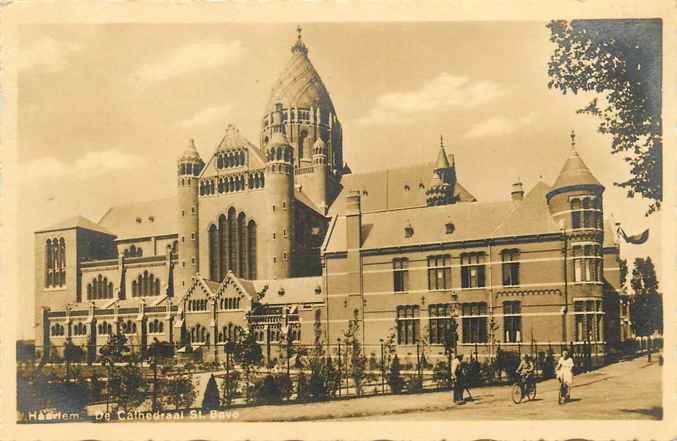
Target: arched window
[
  {"x": 251, "y": 248},
  {"x": 241, "y": 245},
  {"x": 232, "y": 239},
  {"x": 587, "y": 214},
  {"x": 145, "y": 289}
]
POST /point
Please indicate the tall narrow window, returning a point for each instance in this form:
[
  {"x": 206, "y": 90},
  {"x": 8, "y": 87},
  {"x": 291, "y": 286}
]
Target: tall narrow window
[
  {"x": 510, "y": 267},
  {"x": 440, "y": 323},
  {"x": 223, "y": 241},
  {"x": 232, "y": 240},
  {"x": 401, "y": 274},
  {"x": 251, "y": 246},
  {"x": 408, "y": 324},
  {"x": 589, "y": 320},
  {"x": 473, "y": 270},
  {"x": 575, "y": 213},
  {"x": 439, "y": 272},
  {"x": 587, "y": 213},
  {"x": 587, "y": 263},
  {"x": 474, "y": 322},
  {"x": 512, "y": 321},
  {"x": 213, "y": 250},
  {"x": 241, "y": 245}
]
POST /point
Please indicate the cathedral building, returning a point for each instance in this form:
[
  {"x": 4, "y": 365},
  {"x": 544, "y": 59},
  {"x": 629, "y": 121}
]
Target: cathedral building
[{"x": 281, "y": 238}]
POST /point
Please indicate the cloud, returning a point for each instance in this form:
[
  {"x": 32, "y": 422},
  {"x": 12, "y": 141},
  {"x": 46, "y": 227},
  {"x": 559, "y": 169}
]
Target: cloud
[
  {"x": 48, "y": 54},
  {"x": 444, "y": 92},
  {"x": 92, "y": 164},
  {"x": 499, "y": 126},
  {"x": 212, "y": 114},
  {"x": 189, "y": 58}
]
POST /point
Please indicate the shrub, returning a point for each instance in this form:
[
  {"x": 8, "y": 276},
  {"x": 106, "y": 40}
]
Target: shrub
[
  {"x": 414, "y": 384},
  {"x": 179, "y": 391},
  {"x": 272, "y": 389},
  {"x": 301, "y": 387},
  {"x": 394, "y": 378},
  {"x": 473, "y": 374},
  {"x": 324, "y": 379},
  {"x": 230, "y": 386},
  {"x": 210, "y": 401},
  {"x": 441, "y": 374}
]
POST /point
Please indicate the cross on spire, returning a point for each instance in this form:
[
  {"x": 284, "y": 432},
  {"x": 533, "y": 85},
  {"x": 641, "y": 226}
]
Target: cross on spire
[{"x": 299, "y": 46}]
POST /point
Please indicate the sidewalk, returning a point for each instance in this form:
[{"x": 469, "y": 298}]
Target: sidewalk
[{"x": 624, "y": 390}]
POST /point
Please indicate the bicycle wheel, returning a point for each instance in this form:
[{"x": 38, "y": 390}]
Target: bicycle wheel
[
  {"x": 562, "y": 393},
  {"x": 516, "y": 393},
  {"x": 531, "y": 393}
]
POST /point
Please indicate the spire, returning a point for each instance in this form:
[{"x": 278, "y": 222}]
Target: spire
[
  {"x": 190, "y": 153},
  {"x": 442, "y": 159},
  {"x": 299, "y": 46},
  {"x": 575, "y": 172}
]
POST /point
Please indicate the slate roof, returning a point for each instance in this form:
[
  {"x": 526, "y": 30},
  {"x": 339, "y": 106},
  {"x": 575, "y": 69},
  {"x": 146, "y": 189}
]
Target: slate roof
[
  {"x": 385, "y": 189},
  {"x": 77, "y": 222},
  {"x": 575, "y": 172},
  {"x": 122, "y": 220},
  {"x": 294, "y": 290},
  {"x": 471, "y": 220}
]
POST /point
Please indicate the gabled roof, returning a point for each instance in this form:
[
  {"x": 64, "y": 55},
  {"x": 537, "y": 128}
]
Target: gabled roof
[
  {"x": 575, "y": 172},
  {"x": 234, "y": 140},
  {"x": 530, "y": 215},
  {"x": 382, "y": 229},
  {"x": 295, "y": 290},
  {"x": 134, "y": 220},
  {"x": 471, "y": 221},
  {"x": 387, "y": 189},
  {"x": 77, "y": 222}
]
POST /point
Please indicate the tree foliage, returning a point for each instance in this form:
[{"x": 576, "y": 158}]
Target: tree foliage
[
  {"x": 210, "y": 400},
  {"x": 646, "y": 307},
  {"x": 128, "y": 387},
  {"x": 619, "y": 61},
  {"x": 178, "y": 391}
]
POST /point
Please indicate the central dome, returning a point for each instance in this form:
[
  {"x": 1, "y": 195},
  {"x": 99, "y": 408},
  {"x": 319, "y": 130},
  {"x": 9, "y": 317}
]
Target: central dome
[{"x": 299, "y": 85}]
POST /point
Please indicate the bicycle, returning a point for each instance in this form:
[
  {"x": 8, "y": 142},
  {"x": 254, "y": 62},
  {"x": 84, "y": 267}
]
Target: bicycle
[
  {"x": 524, "y": 389},
  {"x": 563, "y": 392}
]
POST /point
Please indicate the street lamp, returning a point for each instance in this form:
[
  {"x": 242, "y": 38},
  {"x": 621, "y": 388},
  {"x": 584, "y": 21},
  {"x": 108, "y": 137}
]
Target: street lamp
[
  {"x": 338, "y": 340},
  {"x": 383, "y": 368}
]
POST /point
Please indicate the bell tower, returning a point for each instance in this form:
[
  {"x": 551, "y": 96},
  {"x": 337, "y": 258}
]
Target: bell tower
[{"x": 189, "y": 166}]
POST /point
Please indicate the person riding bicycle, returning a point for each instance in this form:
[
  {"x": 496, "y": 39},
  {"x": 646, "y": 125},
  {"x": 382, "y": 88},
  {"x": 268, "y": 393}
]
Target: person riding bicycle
[
  {"x": 565, "y": 371},
  {"x": 525, "y": 370}
]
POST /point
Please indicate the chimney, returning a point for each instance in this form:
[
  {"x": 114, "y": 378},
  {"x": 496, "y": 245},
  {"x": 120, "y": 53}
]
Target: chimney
[
  {"x": 517, "y": 191},
  {"x": 353, "y": 221}
]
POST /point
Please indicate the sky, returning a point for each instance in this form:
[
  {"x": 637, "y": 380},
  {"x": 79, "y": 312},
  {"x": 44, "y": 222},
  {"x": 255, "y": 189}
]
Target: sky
[{"x": 105, "y": 110}]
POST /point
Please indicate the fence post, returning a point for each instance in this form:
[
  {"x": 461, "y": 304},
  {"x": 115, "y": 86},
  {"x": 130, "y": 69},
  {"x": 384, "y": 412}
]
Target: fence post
[{"x": 339, "y": 367}]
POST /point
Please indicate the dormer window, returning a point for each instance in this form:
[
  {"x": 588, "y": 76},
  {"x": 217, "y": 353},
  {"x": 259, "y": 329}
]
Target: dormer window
[
  {"x": 421, "y": 186},
  {"x": 280, "y": 291},
  {"x": 408, "y": 231},
  {"x": 407, "y": 188},
  {"x": 151, "y": 218},
  {"x": 318, "y": 289},
  {"x": 449, "y": 228}
]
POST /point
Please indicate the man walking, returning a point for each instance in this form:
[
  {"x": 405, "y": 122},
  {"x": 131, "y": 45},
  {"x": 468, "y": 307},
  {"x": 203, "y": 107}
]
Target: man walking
[{"x": 457, "y": 377}]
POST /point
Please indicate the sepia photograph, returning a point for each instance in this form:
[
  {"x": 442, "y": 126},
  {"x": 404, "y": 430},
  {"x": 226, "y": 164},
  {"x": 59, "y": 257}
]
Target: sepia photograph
[{"x": 307, "y": 220}]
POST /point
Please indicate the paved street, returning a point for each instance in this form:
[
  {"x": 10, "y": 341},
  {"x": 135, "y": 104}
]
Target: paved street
[{"x": 628, "y": 390}]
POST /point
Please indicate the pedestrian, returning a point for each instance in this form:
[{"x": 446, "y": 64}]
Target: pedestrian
[
  {"x": 457, "y": 377},
  {"x": 565, "y": 371}
]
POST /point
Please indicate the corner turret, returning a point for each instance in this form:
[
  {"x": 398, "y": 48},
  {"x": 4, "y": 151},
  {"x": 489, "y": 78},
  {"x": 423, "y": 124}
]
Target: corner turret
[
  {"x": 189, "y": 167},
  {"x": 279, "y": 196},
  {"x": 443, "y": 182}
]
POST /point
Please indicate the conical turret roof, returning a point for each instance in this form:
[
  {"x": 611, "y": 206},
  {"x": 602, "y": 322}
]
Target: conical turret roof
[
  {"x": 299, "y": 84},
  {"x": 191, "y": 153},
  {"x": 442, "y": 159},
  {"x": 575, "y": 172}
]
